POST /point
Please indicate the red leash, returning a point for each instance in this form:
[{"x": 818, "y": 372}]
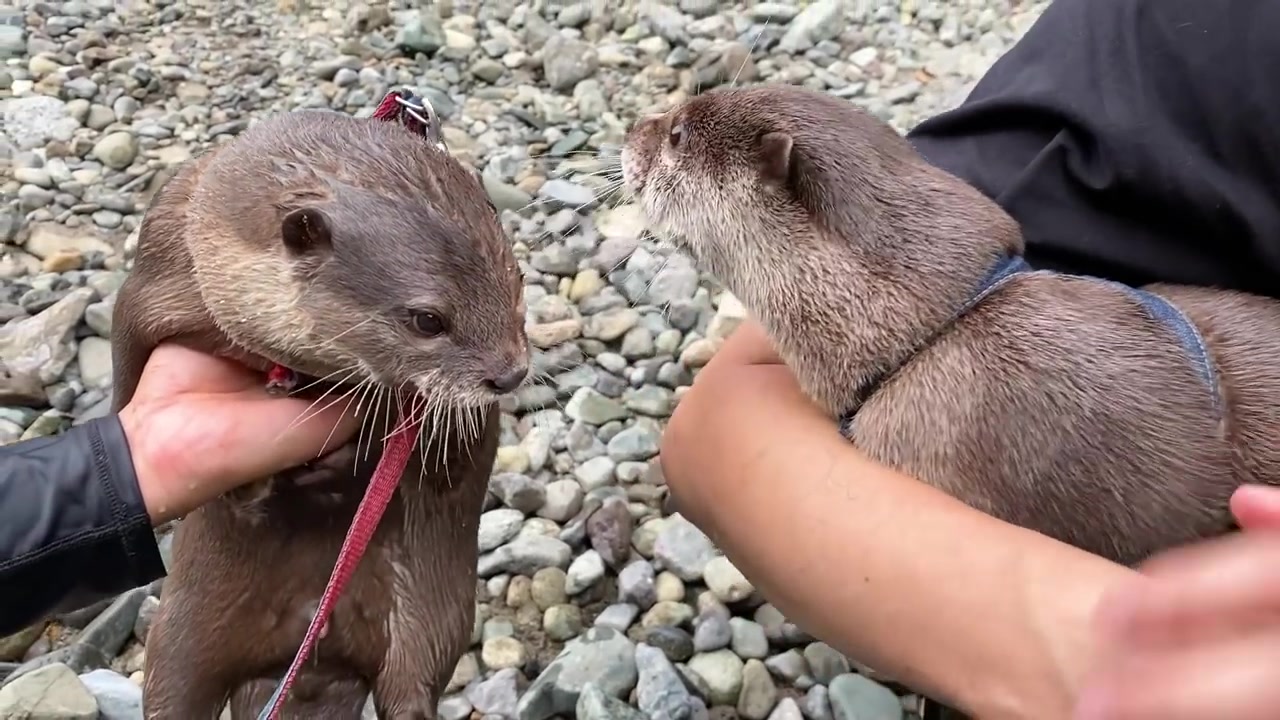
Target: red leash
[
  {"x": 417, "y": 117},
  {"x": 395, "y": 455}
]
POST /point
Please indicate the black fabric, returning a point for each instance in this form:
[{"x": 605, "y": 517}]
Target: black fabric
[
  {"x": 1137, "y": 140},
  {"x": 73, "y": 527}
]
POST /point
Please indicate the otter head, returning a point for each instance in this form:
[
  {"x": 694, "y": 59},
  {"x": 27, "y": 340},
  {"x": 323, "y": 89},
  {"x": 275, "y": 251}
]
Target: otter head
[
  {"x": 747, "y": 174},
  {"x": 382, "y": 260}
]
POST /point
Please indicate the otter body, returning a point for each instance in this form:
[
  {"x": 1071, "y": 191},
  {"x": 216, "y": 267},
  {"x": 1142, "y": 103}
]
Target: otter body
[
  {"x": 359, "y": 254},
  {"x": 1055, "y": 402}
]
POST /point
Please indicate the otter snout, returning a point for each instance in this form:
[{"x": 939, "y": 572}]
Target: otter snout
[
  {"x": 507, "y": 380},
  {"x": 639, "y": 147}
]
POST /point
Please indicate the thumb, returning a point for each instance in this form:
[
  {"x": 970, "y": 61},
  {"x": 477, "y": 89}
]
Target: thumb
[
  {"x": 1257, "y": 507},
  {"x": 295, "y": 431}
]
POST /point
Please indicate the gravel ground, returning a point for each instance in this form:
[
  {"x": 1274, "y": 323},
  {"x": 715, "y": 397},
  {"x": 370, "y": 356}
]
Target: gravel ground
[{"x": 593, "y": 601}]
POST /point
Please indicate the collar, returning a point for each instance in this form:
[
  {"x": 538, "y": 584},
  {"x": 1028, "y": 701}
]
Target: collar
[{"x": 1011, "y": 266}]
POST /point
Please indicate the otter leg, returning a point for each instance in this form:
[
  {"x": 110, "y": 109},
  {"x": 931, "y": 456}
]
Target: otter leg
[
  {"x": 183, "y": 681},
  {"x": 398, "y": 697},
  {"x": 326, "y": 698}
]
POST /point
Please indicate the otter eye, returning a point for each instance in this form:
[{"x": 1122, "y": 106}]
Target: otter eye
[
  {"x": 677, "y": 135},
  {"x": 428, "y": 324}
]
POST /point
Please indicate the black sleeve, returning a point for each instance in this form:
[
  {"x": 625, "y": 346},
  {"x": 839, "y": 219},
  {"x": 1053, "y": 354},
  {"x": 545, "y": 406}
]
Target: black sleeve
[
  {"x": 1133, "y": 139},
  {"x": 73, "y": 527}
]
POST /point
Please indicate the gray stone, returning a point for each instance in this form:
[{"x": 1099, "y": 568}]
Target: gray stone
[
  {"x": 593, "y": 704},
  {"x": 568, "y": 61},
  {"x": 35, "y": 351},
  {"x": 30, "y": 121},
  {"x": 683, "y": 549},
  {"x": 116, "y": 150},
  {"x": 601, "y": 656},
  {"x": 497, "y": 695},
  {"x": 659, "y": 691},
  {"x": 497, "y": 527},
  {"x": 589, "y": 406},
  {"x": 636, "y": 585},
  {"x": 618, "y": 616},
  {"x": 586, "y": 570},
  {"x": 52, "y": 692},
  {"x": 854, "y": 697},
  {"x": 721, "y": 670},
  {"x": 118, "y": 697},
  {"x": 424, "y": 33},
  {"x": 525, "y": 555},
  {"x": 759, "y": 693},
  {"x": 749, "y": 640},
  {"x": 825, "y": 662}
]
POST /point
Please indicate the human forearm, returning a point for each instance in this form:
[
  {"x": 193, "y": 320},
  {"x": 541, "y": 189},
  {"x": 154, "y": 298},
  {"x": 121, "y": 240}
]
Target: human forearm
[
  {"x": 984, "y": 615},
  {"x": 73, "y": 527}
]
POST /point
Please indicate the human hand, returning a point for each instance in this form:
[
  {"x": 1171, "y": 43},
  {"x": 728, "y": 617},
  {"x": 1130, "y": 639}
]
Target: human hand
[
  {"x": 1197, "y": 635},
  {"x": 748, "y": 344},
  {"x": 199, "y": 426}
]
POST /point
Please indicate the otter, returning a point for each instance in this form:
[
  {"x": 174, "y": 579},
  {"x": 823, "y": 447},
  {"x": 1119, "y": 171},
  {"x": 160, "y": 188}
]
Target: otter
[
  {"x": 1116, "y": 419},
  {"x": 361, "y": 256}
]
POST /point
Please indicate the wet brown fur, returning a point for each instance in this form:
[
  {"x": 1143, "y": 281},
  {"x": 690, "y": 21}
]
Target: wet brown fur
[
  {"x": 410, "y": 226},
  {"x": 1056, "y": 403}
]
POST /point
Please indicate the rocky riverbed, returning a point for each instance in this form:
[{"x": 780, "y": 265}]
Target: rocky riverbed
[{"x": 593, "y": 602}]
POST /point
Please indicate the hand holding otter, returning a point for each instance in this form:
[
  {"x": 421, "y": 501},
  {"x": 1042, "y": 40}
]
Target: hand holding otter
[
  {"x": 199, "y": 426},
  {"x": 1198, "y": 635}
]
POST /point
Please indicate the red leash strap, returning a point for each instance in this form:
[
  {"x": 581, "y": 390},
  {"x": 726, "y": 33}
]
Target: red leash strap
[
  {"x": 395, "y": 456},
  {"x": 408, "y": 109}
]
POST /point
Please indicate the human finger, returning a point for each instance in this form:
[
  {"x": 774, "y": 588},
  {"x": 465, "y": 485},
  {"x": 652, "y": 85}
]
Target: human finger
[
  {"x": 1233, "y": 679},
  {"x": 1197, "y": 591},
  {"x": 274, "y": 433},
  {"x": 1257, "y": 507}
]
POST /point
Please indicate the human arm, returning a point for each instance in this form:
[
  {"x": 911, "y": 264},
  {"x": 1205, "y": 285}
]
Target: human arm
[
  {"x": 986, "y": 616},
  {"x": 76, "y": 510},
  {"x": 73, "y": 525}
]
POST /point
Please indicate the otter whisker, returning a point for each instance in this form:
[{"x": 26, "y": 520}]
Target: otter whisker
[
  {"x": 303, "y": 416},
  {"x": 372, "y": 423},
  {"x": 649, "y": 283},
  {"x": 317, "y": 381},
  {"x": 747, "y": 58},
  {"x": 320, "y": 344},
  {"x": 329, "y": 437},
  {"x": 440, "y": 447},
  {"x": 417, "y": 401},
  {"x": 473, "y": 432},
  {"x": 548, "y": 155},
  {"x": 406, "y": 419},
  {"x": 606, "y": 172}
]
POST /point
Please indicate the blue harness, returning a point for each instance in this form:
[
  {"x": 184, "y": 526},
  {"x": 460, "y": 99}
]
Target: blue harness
[{"x": 1159, "y": 308}]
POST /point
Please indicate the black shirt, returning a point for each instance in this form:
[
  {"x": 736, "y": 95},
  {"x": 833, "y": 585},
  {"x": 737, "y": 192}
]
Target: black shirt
[{"x": 1134, "y": 139}]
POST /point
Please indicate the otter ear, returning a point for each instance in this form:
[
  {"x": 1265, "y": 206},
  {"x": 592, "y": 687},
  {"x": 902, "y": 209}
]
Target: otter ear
[
  {"x": 775, "y": 157},
  {"x": 305, "y": 230}
]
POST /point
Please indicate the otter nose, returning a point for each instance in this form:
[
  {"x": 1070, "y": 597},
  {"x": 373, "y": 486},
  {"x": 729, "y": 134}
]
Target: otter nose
[{"x": 507, "y": 381}]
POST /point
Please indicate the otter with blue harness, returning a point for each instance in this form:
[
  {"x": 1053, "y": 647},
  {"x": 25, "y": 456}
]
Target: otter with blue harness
[{"x": 1117, "y": 419}]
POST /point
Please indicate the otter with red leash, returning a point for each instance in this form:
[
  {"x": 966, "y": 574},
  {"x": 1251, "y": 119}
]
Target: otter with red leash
[{"x": 352, "y": 261}]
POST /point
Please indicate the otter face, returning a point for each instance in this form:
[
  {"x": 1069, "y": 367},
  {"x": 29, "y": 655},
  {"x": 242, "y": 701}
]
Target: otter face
[
  {"x": 725, "y": 168},
  {"x": 707, "y": 173},
  {"x": 420, "y": 299}
]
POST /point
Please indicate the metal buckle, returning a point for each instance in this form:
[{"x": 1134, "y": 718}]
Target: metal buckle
[{"x": 423, "y": 112}]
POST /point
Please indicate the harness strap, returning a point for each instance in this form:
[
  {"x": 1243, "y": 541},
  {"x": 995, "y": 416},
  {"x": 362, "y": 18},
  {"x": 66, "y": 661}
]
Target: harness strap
[
  {"x": 1160, "y": 310},
  {"x": 418, "y": 117}
]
